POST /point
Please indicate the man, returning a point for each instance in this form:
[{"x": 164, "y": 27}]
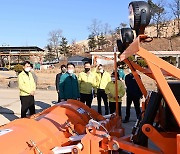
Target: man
[
  {"x": 27, "y": 89},
  {"x": 59, "y": 79},
  {"x": 120, "y": 70},
  {"x": 69, "y": 88},
  {"x": 87, "y": 82},
  {"x": 102, "y": 79},
  {"x": 134, "y": 94},
  {"x": 111, "y": 92}
]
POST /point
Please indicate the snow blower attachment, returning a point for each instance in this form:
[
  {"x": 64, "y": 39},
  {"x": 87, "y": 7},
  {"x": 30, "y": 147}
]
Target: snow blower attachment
[{"x": 72, "y": 127}]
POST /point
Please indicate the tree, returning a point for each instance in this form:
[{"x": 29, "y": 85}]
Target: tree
[
  {"x": 50, "y": 55},
  {"x": 92, "y": 43},
  {"x": 113, "y": 38},
  {"x": 158, "y": 15},
  {"x": 64, "y": 47},
  {"x": 99, "y": 34},
  {"x": 107, "y": 29},
  {"x": 175, "y": 8},
  {"x": 54, "y": 41},
  {"x": 96, "y": 28},
  {"x": 76, "y": 48},
  {"x": 101, "y": 41}
]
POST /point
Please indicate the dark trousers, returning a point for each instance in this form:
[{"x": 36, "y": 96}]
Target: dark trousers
[
  {"x": 27, "y": 102},
  {"x": 59, "y": 99},
  {"x": 112, "y": 107},
  {"x": 101, "y": 94},
  {"x": 86, "y": 98},
  {"x": 136, "y": 101}
]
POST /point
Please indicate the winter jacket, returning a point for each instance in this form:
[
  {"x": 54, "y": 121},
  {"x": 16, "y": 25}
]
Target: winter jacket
[
  {"x": 121, "y": 74},
  {"x": 59, "y": 79},
  {"x": 102, "y": 79},
  {"x": 26, "y": 83},
  {"x": 87, "y": 82},
  {"x": 69, "y": 88},
  {"x": 132, "y": 86},
  {"x": 111, "y": 92}
]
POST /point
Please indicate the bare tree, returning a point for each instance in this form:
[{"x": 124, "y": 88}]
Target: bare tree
[
  {"x": 175, "y": 8},
  {"x": 107, "y": 29},
  {"x": 54, "y": 41},
  {"x": 96, "y": 27},
  {"x": 158, "y": 15}
]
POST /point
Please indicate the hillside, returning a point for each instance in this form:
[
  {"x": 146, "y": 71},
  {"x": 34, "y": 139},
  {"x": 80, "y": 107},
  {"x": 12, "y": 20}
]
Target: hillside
[
  {"x": 169, "y": 30},
  {"x": 163, "y": 44}
]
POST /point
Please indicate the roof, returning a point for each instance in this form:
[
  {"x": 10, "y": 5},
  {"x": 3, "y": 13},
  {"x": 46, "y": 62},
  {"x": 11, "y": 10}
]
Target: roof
[
  {"x": 20, "y": 49},
  {"x": 78, "y": 58}
]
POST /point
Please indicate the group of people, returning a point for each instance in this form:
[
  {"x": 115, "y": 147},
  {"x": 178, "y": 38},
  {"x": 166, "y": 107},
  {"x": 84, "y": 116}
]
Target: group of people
[
  {"x": 98, "y": 83},
  {"x": 88, "y": 84}
]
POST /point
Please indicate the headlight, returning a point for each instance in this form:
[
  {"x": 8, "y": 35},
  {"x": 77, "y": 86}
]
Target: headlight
[
  {"x": 126, "y": 38},
  {"x": 139, "y": 15}
]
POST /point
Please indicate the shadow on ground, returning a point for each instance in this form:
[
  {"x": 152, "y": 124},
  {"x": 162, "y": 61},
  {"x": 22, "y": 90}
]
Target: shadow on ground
[
  {"x": 42, "y": 105},
  {"x": 7, "y": 113}
]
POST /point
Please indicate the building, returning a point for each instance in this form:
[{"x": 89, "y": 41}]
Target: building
[
  {"x": 9, "y": 55},
  {"x": 78, "y": 60}
]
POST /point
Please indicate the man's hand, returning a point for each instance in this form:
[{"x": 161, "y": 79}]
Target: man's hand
[
  {"x": 62, "y": 100},
  {"x": 78, "y": 99},
  {"x": 32, "y": 93}
]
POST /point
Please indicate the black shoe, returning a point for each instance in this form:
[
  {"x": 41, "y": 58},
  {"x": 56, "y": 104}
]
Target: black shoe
[{"x": 125, "y": 121}]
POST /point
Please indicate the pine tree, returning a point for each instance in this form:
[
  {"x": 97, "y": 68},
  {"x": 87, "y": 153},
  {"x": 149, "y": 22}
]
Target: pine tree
[
  {"x": 101, "y": 41},
  {"x": 50, "y": 54},
  {"x": 92, "y": 43},
  {"x": 64, "y": 47}
]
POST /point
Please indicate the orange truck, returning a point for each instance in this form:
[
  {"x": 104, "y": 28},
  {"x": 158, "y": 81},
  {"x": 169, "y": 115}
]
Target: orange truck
[{"x": 72, "y": 127}]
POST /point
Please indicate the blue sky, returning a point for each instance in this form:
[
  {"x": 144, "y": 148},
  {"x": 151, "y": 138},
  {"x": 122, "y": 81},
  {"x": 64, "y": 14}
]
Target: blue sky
[{"x": 28, "y": 22}]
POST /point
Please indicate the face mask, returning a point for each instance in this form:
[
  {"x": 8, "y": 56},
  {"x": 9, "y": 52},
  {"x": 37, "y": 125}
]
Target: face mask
[
  {"x": 70, "y": 71},
  {"x": 101, "y": 70},
  {"x": 113, "y": 79},
  {"x": 63, "y": 70},
  {"x": 27, "y": 69},
  {"x": 87, "y": 70}
]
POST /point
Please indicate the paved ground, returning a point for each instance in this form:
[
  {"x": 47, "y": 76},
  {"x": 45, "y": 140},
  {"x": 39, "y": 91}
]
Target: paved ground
[{"x": 10, "y": 104}]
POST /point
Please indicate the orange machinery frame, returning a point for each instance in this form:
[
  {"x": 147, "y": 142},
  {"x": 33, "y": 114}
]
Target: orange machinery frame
[{"x": 157, "y": 70}]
